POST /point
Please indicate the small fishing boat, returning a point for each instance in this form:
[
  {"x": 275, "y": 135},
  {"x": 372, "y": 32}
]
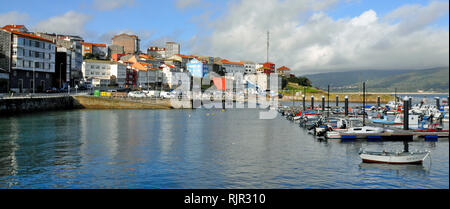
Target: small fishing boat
[
  {"x": 394, "y": 157},
  {"x": 405, "y": 157}
]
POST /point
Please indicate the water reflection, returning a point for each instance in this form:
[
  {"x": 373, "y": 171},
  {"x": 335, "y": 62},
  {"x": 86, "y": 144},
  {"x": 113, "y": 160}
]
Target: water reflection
[
  {"x": 193, "y": 149},
  {"x": 8, "y": 148},
  {"x": 398, "y": 170}
]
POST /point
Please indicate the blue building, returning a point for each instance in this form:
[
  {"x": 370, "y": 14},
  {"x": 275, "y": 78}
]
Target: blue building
[{"x": 197, "y": 68}]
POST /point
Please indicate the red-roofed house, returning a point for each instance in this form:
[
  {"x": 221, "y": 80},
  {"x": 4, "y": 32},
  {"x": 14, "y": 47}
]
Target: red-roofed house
[
  {"x": 93, "y": 48},
  {"x": 233, "y": 67},
  {"x": 269, "y": 68},
  {"x": 17, "y": 28},
  {"x": 116, "y": 57},
  {"x": 147, "y": 75},
  {"x": 284, "y": 71}
]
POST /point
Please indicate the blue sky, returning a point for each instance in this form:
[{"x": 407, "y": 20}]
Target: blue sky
[{"x": 198, "y": 23}]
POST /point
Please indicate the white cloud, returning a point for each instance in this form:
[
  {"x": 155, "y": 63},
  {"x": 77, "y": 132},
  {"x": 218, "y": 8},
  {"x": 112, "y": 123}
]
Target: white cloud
[
  {"x": 70, "y": 23},
  {"x": 12, "y": 18},
  {"x": 106, "y": 5},
  {"x": 415, "y": 17},
  {"x": 306, "y": 39}
]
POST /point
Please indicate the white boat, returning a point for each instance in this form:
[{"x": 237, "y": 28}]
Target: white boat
[
  {"x": 394, "y": 157},
  {"x": 364, "y": 129}
]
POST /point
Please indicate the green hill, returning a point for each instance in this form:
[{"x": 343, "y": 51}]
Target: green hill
[{"x": 436, "y": 79}]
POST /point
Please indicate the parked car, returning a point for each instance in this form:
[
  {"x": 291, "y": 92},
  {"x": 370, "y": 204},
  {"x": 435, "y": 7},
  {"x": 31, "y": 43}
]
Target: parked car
[
  {"x": 137, "y": 94},
  {"x": 167, "y": 95},
  {"x": 152, "y": 93}
]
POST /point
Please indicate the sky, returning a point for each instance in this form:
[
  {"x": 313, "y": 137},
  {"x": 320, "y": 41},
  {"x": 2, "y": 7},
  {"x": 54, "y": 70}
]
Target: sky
[{"x": 305, "y": 35}]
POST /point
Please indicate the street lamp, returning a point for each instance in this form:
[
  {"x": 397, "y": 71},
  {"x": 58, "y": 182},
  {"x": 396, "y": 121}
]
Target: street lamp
[
  {"x": 60, "y": 79},
  {"x": 34, "y": 66},
  {"x": 148, "y": 86}
]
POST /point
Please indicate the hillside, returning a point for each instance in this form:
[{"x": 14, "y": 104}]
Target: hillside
[{"x": 436, "y": 79}]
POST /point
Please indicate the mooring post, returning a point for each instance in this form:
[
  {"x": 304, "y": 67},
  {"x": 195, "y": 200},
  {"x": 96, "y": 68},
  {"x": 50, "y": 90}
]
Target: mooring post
[
  {"x": 410, "y": 103},
  {"x": 378, "y": 101},
  {"x": 323, "y": 103},
  {"x": 337, "y": 101},
  {"x": 405, "y": 114},
  {"x": 346, "y": 106},
  {"x": 312, "y": 102},
  {"x": 438, "y": 104},
  {"x": 304, "y": 102}
]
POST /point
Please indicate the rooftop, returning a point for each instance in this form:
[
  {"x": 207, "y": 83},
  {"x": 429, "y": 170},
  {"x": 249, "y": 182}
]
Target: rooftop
[
  {"x": 28, "y": 35},
  {"x": 101, "y": 61},
  {"x": 92, "y": 44},
  {"x": 224, "y": 61}
]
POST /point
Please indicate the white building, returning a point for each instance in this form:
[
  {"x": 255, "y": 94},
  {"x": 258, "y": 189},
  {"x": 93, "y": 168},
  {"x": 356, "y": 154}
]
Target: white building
[
  {"x": 250, "y": 68},
  {"x": 100, "y": 72},
  {"x": 156, "y": 52},
  {"x": 172, "y": 48},
  {"x": 32, "y": 60}
]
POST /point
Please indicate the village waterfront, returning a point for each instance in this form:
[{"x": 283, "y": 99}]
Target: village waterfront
[{"x": 193, "y": 149}]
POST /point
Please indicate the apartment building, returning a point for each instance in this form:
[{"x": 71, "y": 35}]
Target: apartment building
[
  {"x": 130, "y": 43},
  {"x": 104, "y": 73},
  {"x": 32, "y": 60}
]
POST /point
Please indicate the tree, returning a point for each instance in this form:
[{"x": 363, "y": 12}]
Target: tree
[
  {"x": 302, "y": 81},
  {"x": 89, "y": 56}
]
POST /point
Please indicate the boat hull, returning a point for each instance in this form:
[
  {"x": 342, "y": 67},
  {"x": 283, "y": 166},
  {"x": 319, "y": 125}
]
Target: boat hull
[{"x": 416, "y": 158}]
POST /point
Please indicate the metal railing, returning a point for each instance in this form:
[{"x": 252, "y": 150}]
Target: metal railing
[{"x": 43, "y": 95}]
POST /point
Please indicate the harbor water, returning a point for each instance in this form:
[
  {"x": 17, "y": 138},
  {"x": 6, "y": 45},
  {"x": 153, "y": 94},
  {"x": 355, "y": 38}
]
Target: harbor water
[{"x": 195, "y": 149}]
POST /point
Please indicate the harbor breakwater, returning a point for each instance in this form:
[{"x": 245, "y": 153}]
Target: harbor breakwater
[
  {"x": 88, "y": 102},
  {"x": 13, "y": 106}
]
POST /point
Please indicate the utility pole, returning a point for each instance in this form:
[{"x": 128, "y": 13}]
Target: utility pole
[
  {"x": 364, "y": 104},
  {"x": 328, "y": 102}
]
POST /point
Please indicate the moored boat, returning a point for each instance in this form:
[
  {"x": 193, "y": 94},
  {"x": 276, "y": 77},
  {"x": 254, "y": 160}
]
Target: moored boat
[{"x": 394, "y": 157}]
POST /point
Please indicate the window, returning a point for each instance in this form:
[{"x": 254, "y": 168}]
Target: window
[
  {"x": 92, "y": 66},
  {"x": 27, "y": 74},
  {"x": 36, "y": 64}
]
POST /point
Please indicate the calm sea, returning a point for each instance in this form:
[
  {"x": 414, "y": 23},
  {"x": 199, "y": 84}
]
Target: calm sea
[{"x": 195, "y": 149}]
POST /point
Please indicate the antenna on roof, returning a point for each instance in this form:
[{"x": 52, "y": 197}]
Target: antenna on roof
[{"x": 268, "y": 40}]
